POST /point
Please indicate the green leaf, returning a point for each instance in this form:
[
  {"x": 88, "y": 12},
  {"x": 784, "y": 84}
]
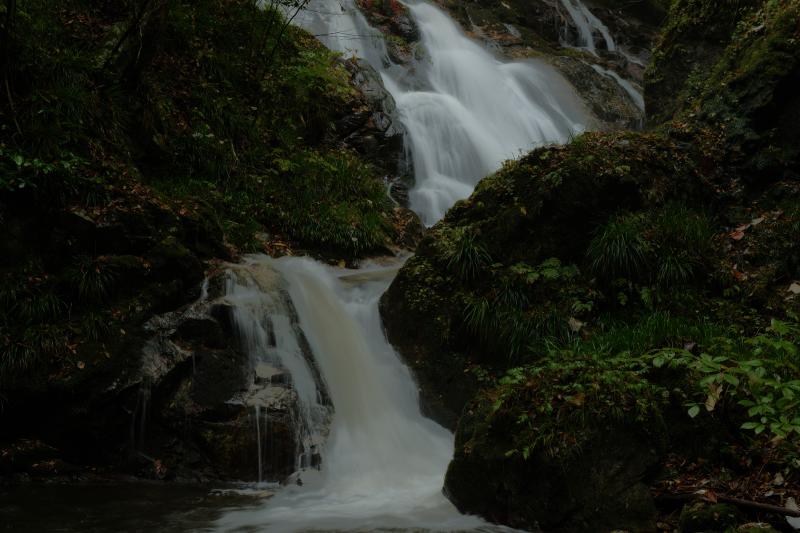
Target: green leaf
[
  {"x": 750, "y": 425},
  {"x": 694, "y": 411},
  {"x": 733, "y": 380}
]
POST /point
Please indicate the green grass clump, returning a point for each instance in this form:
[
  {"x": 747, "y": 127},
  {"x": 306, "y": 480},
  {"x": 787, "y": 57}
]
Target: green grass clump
[
  {"x": 620, "y": 248},
  {"x": 468, "y": 257},
  {"x": 668, "y": 247}
]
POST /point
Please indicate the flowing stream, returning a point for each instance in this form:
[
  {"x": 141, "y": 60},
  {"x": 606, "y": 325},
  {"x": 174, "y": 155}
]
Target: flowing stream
[
  {"x": 383, "y": 463},
  {"x": 464, "y": 112}
]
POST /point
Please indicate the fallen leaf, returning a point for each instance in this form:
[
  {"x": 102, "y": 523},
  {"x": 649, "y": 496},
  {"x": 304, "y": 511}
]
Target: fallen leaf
[
  {"x": 737, "y": 235},
  {"x": 794, "y": 288},
  {"x": 81, "y": 365},
  {"x": 577, "y": 400},
  {"x": 574, "y": 324}
]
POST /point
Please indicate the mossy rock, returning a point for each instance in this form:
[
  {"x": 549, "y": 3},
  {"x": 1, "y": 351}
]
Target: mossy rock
[
  {"x": 585, "y": 478},
  {"x": 546, "y": 205}
]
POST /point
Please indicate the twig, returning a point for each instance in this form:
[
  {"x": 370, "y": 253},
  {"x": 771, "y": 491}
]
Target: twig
[
  {"x": 134, "y": 25},
  {"x": 283, "y": 29},
  {"x": 777, "y": 509},
  {"x": 11, "y": 104}
]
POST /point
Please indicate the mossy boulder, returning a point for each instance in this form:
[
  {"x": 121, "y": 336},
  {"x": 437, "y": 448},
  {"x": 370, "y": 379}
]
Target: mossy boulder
[
  {"x": 554, "y": 449},
  {"x": 546, "y": 205},
  {"x": 733, "y": 66}
]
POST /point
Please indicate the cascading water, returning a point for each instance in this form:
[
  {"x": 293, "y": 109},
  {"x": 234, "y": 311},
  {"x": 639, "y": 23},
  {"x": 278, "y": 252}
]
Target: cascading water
[
  {"x": 464, "y": 111},
  {"x": 384, "y": 463},
  {"x": 268, "y": 335},
  {"x": 627, "y": 86},
  {"x": 587, "y": 24}
]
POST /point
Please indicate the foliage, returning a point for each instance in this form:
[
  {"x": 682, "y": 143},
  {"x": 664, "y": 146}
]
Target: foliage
[
  {"x": 554, "y": 403},
  {"x": 225, "y": 104},
  {"x": 667, "y": 248},
  {"x": 468, "y": 257},
  {"x": 551, "y": 405},
  {"x": 759, "y": 373},
  {"x": 505, "y": 320},
  {"x": 620, "y": 248},
  {"x": 92, "y": 277}
]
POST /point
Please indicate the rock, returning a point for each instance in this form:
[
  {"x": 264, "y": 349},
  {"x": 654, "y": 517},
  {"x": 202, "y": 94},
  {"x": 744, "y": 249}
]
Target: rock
[
  {"x": 373, "y": 130},
  {"x": 369, "y": 83},
  {"x": 408, "y": 226},
  {"x": 515, "y": 216},
  {"x": 404, "y": 26},
  {"x": 203, "y": 395},
  {"x": 598, "y": 488},
  {"x": 22, "y": 454},
  {"x": 205, "y": 330},
  {"x": 392, "y": 18},
  {"x": 607, "y": 100},
  {"x": 704, "y": 518}
]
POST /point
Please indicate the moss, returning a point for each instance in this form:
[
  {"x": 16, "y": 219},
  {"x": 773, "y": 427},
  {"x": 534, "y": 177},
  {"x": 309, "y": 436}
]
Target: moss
[{"x": 692, "y": 40}]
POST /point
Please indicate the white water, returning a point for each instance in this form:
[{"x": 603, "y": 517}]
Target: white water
[
  {"x": 587, "y": 25},
  {"x": 384, "y": 463},
  {"x": 635, "y": 95},
  {"x": 464, "y": 110},
  {"x": 267, "y": 335}
]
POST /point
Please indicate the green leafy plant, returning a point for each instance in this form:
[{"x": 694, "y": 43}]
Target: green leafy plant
[{"x": 758, "y": 374}]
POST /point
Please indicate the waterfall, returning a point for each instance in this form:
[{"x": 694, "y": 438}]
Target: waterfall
[
  {"x": 464, "y": 110},
  {"x": 268, "y": 334},
  {"x": 635, "y": 95},
  {"x": 587, "y": 25},
  {"x": 384, "y": 463}
]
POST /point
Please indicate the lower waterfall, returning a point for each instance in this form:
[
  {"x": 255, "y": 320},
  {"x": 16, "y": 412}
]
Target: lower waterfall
[{"x": 383, "y": 464}]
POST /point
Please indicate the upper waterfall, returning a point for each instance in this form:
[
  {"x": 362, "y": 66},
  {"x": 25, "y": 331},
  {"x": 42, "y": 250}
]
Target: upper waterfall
[{"x": 464, "y": 110}]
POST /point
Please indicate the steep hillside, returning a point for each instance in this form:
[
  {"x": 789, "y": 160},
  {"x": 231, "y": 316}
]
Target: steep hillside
[{"x": 139, "y": 141}]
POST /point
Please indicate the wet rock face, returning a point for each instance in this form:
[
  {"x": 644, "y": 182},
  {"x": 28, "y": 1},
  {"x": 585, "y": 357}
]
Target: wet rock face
[
  {"x": 605, "y": 97},
  {"x": 213, "y": 412},
  {"x": 375, "y": 131},
  {"x": 372, "y": 129},
  {"x": 394, "y": 20}
]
